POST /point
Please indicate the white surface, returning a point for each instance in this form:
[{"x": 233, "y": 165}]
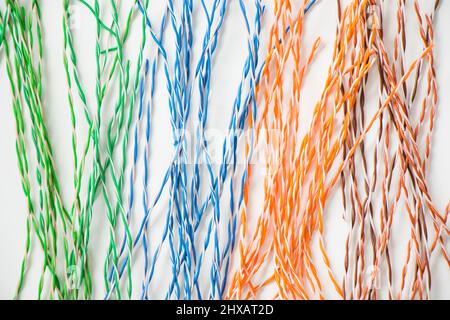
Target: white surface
[{"x": 321, "y": 21}]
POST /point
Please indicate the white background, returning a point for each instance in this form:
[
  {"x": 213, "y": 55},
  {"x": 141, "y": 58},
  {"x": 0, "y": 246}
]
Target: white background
[{"x": 231, "y": 52}]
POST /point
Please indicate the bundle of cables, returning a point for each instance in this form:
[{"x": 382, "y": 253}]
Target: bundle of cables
[{"x": 246, "y": 214}]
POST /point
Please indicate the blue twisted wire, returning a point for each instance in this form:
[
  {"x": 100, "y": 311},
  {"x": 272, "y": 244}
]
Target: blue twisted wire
[{"x": 179, "y": 106}]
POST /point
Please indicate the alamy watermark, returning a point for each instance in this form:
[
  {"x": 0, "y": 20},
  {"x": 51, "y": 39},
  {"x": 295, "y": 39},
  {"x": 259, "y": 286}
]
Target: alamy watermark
[{"x": 373, "y": 13}]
